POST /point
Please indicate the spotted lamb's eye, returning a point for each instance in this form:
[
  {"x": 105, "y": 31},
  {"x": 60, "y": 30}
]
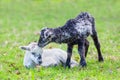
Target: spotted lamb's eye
[{"x": 49, "y": 36}]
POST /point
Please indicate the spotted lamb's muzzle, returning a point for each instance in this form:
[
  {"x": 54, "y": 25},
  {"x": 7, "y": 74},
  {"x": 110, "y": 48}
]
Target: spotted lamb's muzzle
[{"x": 42, "y": 42}]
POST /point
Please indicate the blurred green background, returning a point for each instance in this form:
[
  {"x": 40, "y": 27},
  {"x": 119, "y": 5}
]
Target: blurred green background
[{"x": 21, "y": 20}]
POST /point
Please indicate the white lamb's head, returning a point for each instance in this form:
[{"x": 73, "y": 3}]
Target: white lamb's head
[{"x": 33, "y": 55}]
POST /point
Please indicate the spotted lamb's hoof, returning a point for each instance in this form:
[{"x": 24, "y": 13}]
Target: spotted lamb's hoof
[{"x": 101, "y": 59}]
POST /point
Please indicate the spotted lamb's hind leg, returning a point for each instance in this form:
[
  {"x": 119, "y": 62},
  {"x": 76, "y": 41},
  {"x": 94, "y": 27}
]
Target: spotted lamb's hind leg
[
  {"x": 96, "y": 41},
  {"x": 97, "y": 45}
]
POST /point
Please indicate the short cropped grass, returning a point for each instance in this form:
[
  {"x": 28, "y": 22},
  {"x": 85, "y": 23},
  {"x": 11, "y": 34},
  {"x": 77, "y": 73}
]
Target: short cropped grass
[{"x": 20, "y": 20}]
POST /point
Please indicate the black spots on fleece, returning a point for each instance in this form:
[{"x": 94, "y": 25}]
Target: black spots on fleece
[
  {"x": 70, "y": 23},
  {"x": 70, "y": 26}
]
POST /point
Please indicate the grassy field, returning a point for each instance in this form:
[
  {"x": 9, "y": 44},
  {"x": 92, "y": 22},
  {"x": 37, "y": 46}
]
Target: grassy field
[{"x": 21, "y": 19}]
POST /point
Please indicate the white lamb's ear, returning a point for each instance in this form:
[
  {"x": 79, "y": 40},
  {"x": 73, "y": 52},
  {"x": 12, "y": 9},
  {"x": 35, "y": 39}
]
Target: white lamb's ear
[{"x": 25, "y": 48}]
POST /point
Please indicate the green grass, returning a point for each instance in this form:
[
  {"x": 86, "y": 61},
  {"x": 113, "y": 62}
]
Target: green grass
[{"x": 21, "y": 19}]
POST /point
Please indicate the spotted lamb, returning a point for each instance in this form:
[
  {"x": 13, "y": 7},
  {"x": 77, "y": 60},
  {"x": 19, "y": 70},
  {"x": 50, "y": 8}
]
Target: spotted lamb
[{"x": 75, "y": 31}]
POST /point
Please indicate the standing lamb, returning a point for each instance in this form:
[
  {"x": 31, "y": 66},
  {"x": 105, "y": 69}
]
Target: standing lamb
[
  {"x": 75, "y": 31},
  {"x": 44, "y": 57}
]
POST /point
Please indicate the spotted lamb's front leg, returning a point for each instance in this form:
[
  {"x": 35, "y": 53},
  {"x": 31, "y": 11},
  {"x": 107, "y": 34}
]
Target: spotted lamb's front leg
[
  {"x": 86, "y": 47},
  {"x": 81, "y": 50},
  {"x": 69, "y": 54}
]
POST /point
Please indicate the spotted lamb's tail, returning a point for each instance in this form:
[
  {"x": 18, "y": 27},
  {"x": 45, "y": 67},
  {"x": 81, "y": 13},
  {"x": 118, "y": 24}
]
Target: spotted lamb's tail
[{"x": 85, "y": 15}]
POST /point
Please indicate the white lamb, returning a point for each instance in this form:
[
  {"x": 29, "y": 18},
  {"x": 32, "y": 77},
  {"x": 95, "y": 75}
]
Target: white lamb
[{"x": 44, "y": 57}]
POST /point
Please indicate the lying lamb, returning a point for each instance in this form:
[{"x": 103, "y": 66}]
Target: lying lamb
[{"x": 44, "y": 57}]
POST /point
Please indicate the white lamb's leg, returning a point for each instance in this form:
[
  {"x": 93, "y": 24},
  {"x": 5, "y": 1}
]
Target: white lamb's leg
[
  {"x": 73, "y": 63},
  {"x": 62, "y": 57}
]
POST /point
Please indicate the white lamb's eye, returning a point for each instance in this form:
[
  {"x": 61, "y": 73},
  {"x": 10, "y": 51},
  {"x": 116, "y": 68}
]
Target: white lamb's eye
[{"x": 33, "y": 53}]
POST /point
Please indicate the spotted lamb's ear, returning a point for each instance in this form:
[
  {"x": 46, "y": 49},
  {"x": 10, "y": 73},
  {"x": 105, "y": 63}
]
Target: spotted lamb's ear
[
  {"x": 50, "y": 33},
  {"x": 44, "y": 28},
  {"x": 40, "y": 32},
  {"x": 25, "y": 48}
]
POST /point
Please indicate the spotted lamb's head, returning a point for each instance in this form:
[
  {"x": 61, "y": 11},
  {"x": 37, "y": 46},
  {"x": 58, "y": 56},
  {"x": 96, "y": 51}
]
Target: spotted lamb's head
[
  {"x": 33, "y": 55},
  {"x": 46, "y": 36}
]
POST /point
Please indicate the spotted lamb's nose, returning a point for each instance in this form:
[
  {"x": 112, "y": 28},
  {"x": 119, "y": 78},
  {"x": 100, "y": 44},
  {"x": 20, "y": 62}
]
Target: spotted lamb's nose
[{"x": 40, "y": 45}]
